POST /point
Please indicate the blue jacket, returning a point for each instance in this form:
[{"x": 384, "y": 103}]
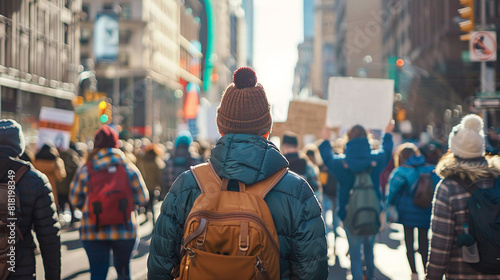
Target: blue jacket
[
  {"x": 358, "y": 157},
  {"x": 293, "y": 206},
  {"x": 400, "y": 182}
]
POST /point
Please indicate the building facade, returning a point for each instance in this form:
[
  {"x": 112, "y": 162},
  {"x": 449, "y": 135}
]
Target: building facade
[
  {"x": 39, "y": 58},
  {"x": 159, "y": 54}
]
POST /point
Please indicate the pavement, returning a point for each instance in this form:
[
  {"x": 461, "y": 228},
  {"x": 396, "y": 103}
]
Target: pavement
[{"x": 390, "y": 255}]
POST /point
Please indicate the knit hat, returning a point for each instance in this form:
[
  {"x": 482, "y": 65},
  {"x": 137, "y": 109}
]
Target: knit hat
[
  {"x": 106, "y": 137},
  {"x": 184, "y": 138},
  {"x": 290, "y": 138},
  {"x": 244, "y": 107},
  {"x": 466, "y": 140},
  {"x": 11, "y": 137}
]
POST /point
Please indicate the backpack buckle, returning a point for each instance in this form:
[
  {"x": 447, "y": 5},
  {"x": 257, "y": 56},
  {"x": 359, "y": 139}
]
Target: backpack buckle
[
  {"x": 200, "y": 241},
  {"x": 244, "y": 247}
]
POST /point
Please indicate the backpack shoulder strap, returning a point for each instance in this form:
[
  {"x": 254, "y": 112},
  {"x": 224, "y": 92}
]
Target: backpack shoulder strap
[
  {"x": 205, "y": 176},
  {"x": 263, "y": 187},
  {"x": 20, "y": 172}
]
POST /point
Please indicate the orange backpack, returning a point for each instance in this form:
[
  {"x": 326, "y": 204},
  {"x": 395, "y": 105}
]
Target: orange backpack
[{"x": 229, "y": 234}]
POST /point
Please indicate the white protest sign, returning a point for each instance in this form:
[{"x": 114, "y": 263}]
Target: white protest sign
[
  {"x": 54, "y": 126},
  {"x": 364, "y": 101}
]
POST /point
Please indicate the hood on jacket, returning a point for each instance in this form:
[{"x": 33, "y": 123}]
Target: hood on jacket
[
  {"x": 47, "y": 152},
  {"x": 247, "y": 158},
  {"x": 107, "y": 157},
  {"x": 357, "y": 154},
  {"x": 416, "y": 160},
  {"x": 468, "y": 169},
  {"x": 11, "y": 138}
]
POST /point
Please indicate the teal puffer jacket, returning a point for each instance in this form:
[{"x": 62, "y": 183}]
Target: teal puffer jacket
[{"x": 295, "y": 210}]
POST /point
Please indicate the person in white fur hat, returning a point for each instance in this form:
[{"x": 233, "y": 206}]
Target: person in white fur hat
[{"x": 463, "y": 164}]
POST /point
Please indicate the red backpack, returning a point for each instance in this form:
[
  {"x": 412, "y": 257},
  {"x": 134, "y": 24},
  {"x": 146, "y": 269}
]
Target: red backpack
[{"x": 110, "y": 195}]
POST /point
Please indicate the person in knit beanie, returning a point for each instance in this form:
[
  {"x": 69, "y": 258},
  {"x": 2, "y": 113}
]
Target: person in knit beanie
[
  {"x": 244, "y": 155},
  {"x": 244, "y": 108},
  {"x": 465, "y": 165}
]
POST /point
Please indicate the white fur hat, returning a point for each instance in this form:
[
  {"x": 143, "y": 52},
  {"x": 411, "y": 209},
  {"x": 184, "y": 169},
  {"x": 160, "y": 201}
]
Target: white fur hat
[{"x": 466, "y": 140}]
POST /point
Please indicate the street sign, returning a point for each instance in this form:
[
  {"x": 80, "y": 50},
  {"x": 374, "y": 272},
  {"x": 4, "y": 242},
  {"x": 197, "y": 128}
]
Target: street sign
[
  {"x": 483, "y": 46},
  {"x": 487, "y": 102}
]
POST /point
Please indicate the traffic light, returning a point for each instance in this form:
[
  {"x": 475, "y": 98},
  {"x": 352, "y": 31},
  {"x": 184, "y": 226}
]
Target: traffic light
[
  {"x": 104, "y": 112},
  {"x": 467, "y": 13}
]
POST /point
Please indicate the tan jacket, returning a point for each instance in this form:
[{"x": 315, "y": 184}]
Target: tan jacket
[{"x": 54, "y": 170}]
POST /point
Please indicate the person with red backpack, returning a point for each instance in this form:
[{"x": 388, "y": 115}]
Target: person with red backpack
[
  {"x": 107, "y": 189},
  {"x": 242, "y": 215}
]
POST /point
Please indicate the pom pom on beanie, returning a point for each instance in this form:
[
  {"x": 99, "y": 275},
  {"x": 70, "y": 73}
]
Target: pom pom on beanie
[
  {"x": 466, "y": 139},
  {"x": 244, "y": 77}
]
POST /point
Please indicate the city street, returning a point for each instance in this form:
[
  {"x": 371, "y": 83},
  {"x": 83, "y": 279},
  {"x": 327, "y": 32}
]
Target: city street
[{"x": 390, "y": 256}]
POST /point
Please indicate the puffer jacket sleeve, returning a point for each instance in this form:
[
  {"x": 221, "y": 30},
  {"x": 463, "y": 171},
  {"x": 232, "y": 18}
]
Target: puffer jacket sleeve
[
  {"x": 397, "y": 183},
  {"x": 442, "y": 226},
  {"x": 47, "y": 227},
  {"x": 168, "y": 232},
  {"x": 308, "y": 255}
]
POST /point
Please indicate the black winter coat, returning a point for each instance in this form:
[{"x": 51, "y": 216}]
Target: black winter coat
[{"x": 38, "y": 211}]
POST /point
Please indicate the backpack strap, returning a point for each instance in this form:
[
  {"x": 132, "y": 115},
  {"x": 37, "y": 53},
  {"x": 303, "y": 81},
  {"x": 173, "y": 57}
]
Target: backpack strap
[
  {"x": 20, "y": 172},
  {"x": 263, "y": 187},
  {"x": 207, "y": 179}
]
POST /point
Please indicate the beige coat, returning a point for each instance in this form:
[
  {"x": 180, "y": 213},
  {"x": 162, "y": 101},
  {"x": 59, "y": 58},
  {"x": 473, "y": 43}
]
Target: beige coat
[{"x": 54, "y": 170}]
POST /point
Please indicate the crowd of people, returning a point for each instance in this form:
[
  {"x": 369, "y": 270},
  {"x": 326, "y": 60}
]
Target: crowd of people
[{"x": 208, "y": 224}]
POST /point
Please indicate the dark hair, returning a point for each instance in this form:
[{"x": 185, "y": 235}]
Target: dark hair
[
  {"x": 404, "y": 152},
  {"x": 356, "y": 131}
]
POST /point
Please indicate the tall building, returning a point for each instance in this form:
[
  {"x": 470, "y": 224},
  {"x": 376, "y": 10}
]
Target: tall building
[
  {"x": 435, "y": 77},
  {"x": 324, "y": 65},
  {"x": 39, "y": 61},
  {"x": 302, "y": 77},
  {"x": 156, "y": 57},
  {"x": 248, "y": 7}
]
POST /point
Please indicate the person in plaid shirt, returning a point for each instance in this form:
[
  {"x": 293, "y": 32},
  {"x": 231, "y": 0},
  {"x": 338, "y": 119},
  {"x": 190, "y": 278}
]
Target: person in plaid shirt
[
  {"x": 463, "y": 164},
  {"x": 98, "y": 241}
]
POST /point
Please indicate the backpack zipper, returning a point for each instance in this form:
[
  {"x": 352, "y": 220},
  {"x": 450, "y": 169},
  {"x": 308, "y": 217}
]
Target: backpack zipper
[{"x": 230, "y": 216}]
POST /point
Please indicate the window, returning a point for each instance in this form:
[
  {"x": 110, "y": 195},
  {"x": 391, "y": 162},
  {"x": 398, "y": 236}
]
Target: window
[
  {"x": 85, "y": 36},
  {"x": 85, "y": 9},
  {"x": 125, "y": 36},
  {"x": 126, "y": 11},
  {"x": 107, "y": 7}
]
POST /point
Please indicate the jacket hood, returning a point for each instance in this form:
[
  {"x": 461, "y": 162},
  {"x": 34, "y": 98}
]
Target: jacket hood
[
  {"x": 246, "y": 158},
  {"x": 468, "y": 169},
  {"x": 47, "y": 152},
  {"x": 11, "y": 138},
  {"x": 106, "y": 157},
  {"x": 416, "y": 161},
  {"x": 357, "y": 154}
]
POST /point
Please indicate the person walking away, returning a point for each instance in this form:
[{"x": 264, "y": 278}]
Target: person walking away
[
  {"x": 409, "y": 165},
  {"x": 243, "y": 158},
  {"x": 108, "y": 189},
  {"x": 358, "y": 158},
  {"x": 180, "y": 160},
  {"x": 300, "y": 164},
  {"x": 151, "y": 166},
  {"x": 48, "y": 161},
  {"x": 35, "y": 209},
  {"x": 462, "y": 168},
  {"x": 71, "y": 161}
]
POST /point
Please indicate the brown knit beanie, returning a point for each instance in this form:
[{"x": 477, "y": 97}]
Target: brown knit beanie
[{"x": 244, "y": 108}]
